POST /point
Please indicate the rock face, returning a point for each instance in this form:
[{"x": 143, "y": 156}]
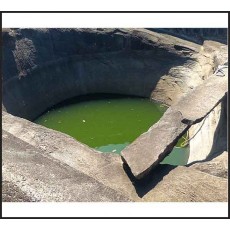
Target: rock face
[
  {"x": 52, "y": 65},
  {"x": 209, "y": 136},
  {"x": 105, "y": 168}
]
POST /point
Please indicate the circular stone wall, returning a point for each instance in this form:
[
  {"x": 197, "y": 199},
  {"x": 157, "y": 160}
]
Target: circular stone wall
[{"x": 42, "y": 67}]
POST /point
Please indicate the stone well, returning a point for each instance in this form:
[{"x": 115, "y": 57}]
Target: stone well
[{"x": 42, "y": 67}]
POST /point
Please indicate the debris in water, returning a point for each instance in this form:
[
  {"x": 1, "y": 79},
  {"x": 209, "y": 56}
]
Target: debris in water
[{"x": 114, "y": 151}]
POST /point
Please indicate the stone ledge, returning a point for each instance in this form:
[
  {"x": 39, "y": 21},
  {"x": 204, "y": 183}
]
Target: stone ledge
[{"x": 42, "y": 178}]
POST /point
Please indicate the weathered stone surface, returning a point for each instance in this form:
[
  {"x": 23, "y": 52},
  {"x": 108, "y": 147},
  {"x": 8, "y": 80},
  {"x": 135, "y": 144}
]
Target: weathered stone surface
[
  {"x": 218, "y": 166},
  {"x": 52, "y": 65},
  {"x": 151, "y": 147},
  {"x": 184, "y": 184},
  {"x": 182, "y": 79},
  {"x": 200, "y": 101},
  {"x": 209, "y": 136},
  {"x": 105, "y": 168},
  {"x": 48, "y": 179},
  {"x": 218, "y": 51},
  {"x": 11, "y": 193}
]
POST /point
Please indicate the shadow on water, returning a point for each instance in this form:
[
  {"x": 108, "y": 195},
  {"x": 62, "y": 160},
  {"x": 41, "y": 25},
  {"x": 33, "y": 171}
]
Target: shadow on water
[{"x": 147, "y": 183}]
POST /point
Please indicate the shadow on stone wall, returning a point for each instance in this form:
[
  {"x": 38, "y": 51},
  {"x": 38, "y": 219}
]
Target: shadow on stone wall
[
  {"x": 219, "y": 137},
  {"x": 129, "y": 73}
]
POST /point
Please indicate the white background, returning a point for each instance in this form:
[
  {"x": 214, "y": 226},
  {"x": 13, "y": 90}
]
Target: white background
[
  {"x": 106, "y": 20},
  {"x": 105, "y": 5}
]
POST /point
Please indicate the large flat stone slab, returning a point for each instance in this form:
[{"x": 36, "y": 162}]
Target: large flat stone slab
[
  {"x": 39, "y": 177},
  {"x": 153, "y": 146}
]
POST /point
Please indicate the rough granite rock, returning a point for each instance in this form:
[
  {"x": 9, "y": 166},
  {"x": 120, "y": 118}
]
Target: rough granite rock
[
  {"x": 197, "y": 35},
  {"x": 217, "y": 166},
  {"x": 182, "y": 79},
  {"x": 184, "y": 184},
  {"x": 12, "y": 193},
  {"x": 209, "y": 136},
  {"x": 52, "y": 65},
  {"x": 49, "y": 180}
]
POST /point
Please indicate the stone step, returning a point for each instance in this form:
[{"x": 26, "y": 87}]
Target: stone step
[{"x": 42, "y": 178}]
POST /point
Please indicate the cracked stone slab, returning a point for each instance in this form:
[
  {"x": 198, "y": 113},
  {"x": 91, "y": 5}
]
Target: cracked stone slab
[{"x": 149, "y": 149}]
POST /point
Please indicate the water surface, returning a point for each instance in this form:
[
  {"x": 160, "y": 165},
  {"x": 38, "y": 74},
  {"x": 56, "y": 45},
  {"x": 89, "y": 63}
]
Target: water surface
[{"x": 108, "y": 123}]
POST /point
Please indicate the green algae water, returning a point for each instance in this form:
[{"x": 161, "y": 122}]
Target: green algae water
[{"x": 108, "y": 123}]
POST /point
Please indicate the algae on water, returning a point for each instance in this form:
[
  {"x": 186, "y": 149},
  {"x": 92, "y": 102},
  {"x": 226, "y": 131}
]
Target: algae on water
[{"x": 107, "y": 123}]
